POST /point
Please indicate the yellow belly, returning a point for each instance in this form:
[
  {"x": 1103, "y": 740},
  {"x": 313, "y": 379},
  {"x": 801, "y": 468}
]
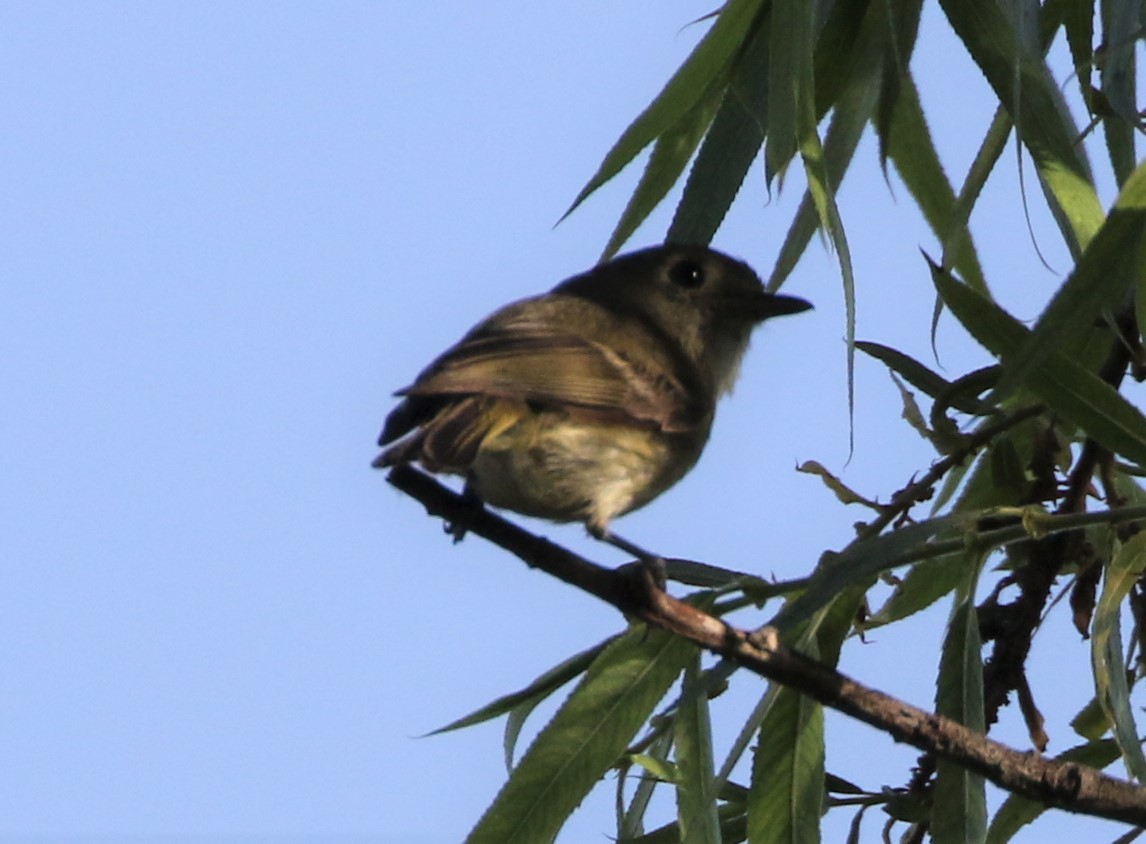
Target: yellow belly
[{"x": 566, "y": 469}]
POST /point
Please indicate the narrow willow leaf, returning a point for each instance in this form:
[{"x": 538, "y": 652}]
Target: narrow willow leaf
[
  {"x": 980, "y": 490},
  {"x": 1079, "y": 395},
  {"x": 1017, "y": 812},
  {"x": 788, "y": 777},
  {"x": 823, "y": 196},
  {"x": 825, "y": 634},
  {"x": 912, "y": 371},
  {"x": 535, "y": 692},
  {"x": 541, "y": 688},
  {"x": 844, "y": 132},
  {"x": 1091, "y": 722},
  {"x": 786, "y": 795},
  {"x": 859, "y": 563},
  {"x": 1110, "y": 683},
  {"x": 732, "y": 829},
  {"x": 729, "y": 148},
  {"x": 1105, "y": 275},
  {"x": 632, "y": 820},
  {"x": 671, "y": 153},
  {"x": 1120, "y": 30},
  {"x": 790, "y": 82},
  {"x": 951, "y": 485},
  {"x": 903, "y": 29},
  {"x": 988, "y": 154},
  {"x": 928, "y": 580},
  {"x": 844, "y": 51},
  {"x": 702, "y": 70},
  {"x": 911, "y": 149},
  {"x": 1078, "y": 21},
  {"x": 959, "y": 808},
  {"x": 848, "y": 63},
  {"x": 743, "y": 739},
  {"x": 1044, "y": 123},
  {"x": 1023, "y": 16},
  {"x": 585, "y": 737},
  {"x": 661, "y": 769},
  {"x": 923, "y": 585},
  {"x": 695, "y": 784}
]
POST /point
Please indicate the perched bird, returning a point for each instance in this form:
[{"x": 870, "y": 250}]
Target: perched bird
[{"x": 587, "y": 402}]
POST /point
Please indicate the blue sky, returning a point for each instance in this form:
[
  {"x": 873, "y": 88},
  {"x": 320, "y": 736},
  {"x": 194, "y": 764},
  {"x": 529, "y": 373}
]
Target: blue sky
[{"x": 230, "y": 232}]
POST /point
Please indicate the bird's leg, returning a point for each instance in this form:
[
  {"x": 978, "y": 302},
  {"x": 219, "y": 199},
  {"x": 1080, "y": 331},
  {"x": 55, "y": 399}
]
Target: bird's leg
[
  {"x": 654, "y": 564},
  {"x": 471, "y": 498}
]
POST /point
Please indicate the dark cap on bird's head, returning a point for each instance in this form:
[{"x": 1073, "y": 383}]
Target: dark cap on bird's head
[{"x": 682, "y": 278}]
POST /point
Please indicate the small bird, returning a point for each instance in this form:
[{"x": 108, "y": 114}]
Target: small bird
[{"x": 587, "y": 402}]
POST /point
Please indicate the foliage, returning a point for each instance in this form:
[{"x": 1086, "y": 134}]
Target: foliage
[{"x": 1047, "y": 429}]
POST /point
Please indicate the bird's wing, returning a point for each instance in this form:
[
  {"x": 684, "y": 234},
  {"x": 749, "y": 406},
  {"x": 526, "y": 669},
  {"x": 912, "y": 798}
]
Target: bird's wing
[{"x": 519, "y": 364}]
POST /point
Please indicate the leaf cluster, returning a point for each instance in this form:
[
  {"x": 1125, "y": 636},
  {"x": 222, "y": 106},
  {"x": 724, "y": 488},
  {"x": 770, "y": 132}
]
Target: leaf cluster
[{"x": 1037, "y": 457}]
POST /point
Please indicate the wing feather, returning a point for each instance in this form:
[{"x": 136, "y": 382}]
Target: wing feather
[
  {"x": 590, "y": 376},
  {"x": 507, "y": 364}
]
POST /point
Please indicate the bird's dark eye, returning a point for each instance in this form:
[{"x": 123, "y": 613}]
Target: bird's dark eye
[{"x": 687, "y": 274}]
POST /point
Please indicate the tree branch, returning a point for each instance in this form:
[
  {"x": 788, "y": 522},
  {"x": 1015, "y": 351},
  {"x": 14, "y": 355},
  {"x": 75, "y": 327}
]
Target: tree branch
[{"x": 1065, "y": 785}]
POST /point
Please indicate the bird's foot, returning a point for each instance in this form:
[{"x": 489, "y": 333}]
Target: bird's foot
[{"x": 653, "y": 564}]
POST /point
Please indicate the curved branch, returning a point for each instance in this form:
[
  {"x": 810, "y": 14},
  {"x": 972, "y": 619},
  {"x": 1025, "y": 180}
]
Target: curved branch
[{"x": 631, "y": 589}]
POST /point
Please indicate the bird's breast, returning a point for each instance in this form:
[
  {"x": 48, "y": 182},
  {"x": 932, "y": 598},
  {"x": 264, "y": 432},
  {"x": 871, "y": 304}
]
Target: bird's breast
[{"x": 567, "y": 469}]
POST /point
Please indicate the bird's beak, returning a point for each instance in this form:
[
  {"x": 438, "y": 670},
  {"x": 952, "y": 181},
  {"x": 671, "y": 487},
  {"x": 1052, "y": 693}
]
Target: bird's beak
[{"x": 767, "y": 305}]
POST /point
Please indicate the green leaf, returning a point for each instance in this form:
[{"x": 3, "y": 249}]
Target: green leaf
[
  {"x": 541, "y": 688},
  {"x": 823, "y": 196},
  {"x": 1078, "y": 22},
  {"x": 911, "y": 149},
  {"x": 1121, "y": 29},
  {"x": 671, "y": 153},
  {"x": 1017, "y": 812},
  {"x": 923, "y": 585},
  {"x": 986, "y": 157},
  {"x": 843, "y": 136},
  {"x": 695, "y": 785},
  {"x": 1077, "y": 394},
  {"x": 1107, "y": 272},
  {"x": 788, "y": 777},
  {"x": 849, "y": 47},
  {"x": 534, "y": 693},
  {"x": 1110, "y": 684},
  {"x": 631, "y": 822},
  {"x": 729, "y": 148},
  {"x": 850, "y": 58},
  {"x": 959, "y": 808},
  {"x": 1091, "y": 722},
  {"x": 790, "y": 83},
  {"x": 903, "y": 30},
  {"x": 1023, "y": 16},
  {"x": 748, "y": 730},
  {"x": 860, "y": 563},
  {"x": 585, "y": 738},
  {"x": 786, "y": 794},
  {"x": 661, "y": 769},
  {"x": 982, "y": 490},
  {"x": 732, "y": 829},
  {"x": 787, "y": 791},
  {"x": 912, "y": 371},
  {"x": 704, "y": 70},
  {"x": 1027, "y": 90}
]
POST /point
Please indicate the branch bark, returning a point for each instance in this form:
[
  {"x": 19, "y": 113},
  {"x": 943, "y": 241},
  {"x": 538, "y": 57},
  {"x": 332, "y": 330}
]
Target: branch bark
[{"x": 632, "y": 590}]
